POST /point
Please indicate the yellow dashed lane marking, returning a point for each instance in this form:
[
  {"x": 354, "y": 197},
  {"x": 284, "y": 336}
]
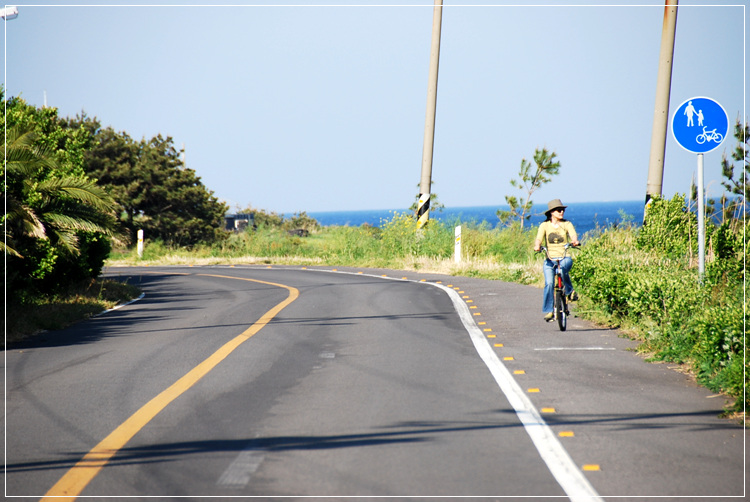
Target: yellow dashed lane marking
[
  {"x": 566, "y": 434},
  {"x": 533, "y": 390},
  {"x": 548, "y": 410},
  {"x": 81, "y": 474},
  {"x": 591, "y": 467}
]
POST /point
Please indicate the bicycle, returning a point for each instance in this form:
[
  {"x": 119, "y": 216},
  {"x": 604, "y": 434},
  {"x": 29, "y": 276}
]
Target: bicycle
[
  {"x": 709, "y": 136},
  {"x": 560, "y": 309}
]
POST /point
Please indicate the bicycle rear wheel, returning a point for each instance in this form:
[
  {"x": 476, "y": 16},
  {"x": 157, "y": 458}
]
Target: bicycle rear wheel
[{"x": 560, "y": 310}]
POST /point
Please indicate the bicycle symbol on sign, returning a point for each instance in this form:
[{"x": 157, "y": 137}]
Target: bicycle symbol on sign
[{"x": 709, "y": 136}]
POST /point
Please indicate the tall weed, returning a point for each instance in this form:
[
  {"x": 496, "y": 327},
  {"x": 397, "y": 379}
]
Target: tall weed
[{"x": 644, "y": 279}]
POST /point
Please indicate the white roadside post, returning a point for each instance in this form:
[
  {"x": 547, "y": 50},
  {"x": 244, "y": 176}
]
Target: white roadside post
[
  {"x": 140, "y": 243},
  {"x": 700, "y": 125},
  {"x": 457, "y": 247}
]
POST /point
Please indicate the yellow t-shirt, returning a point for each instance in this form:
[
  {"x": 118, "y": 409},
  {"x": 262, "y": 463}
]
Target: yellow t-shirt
[{"x": 555, "y": 237}]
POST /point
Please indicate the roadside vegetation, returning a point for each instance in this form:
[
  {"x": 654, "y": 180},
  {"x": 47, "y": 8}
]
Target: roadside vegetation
[
  {"x": 76, "y": 194},
  {"x": 73, "y": 190}
]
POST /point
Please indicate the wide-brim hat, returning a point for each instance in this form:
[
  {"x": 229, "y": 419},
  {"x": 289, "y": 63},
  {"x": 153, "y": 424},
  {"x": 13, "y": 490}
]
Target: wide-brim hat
[{"x": 554, "y": 204}]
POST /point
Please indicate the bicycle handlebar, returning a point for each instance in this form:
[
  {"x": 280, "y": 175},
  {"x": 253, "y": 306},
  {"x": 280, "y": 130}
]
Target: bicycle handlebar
[{"x": 546, "y": 252}]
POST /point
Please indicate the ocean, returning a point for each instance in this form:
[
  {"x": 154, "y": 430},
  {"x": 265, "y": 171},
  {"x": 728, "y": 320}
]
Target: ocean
[{"x": 585, "y": 216}]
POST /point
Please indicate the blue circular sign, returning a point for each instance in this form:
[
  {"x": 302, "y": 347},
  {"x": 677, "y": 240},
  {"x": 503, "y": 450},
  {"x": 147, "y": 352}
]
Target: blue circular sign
[{"x": 700, "y": 125}]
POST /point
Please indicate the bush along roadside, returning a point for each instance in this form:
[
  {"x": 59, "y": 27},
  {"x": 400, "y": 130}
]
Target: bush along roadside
[
  {"x": 77, "y": 301},
  {"x": 646, "y": 281}
]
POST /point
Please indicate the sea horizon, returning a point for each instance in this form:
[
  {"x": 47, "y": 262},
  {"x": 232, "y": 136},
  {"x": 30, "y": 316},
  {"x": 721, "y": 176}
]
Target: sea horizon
[{"x": 585, "y": 216}]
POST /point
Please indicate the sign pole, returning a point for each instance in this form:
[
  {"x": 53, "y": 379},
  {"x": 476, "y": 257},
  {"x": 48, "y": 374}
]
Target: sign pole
[
  {"x": 701, "y": 222},
  {"x": 700, "y": 125}
]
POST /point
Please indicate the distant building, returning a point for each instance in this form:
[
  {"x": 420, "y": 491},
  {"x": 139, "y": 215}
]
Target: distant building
[{"x": 238, "y": 222}]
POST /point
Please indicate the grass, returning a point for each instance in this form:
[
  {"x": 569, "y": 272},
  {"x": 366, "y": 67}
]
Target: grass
[
  {"x": 80, "y": 302},
  {"x": 487, "y": 253}
]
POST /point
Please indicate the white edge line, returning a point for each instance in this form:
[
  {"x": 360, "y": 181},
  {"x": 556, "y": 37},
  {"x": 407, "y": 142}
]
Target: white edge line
[
  {"x": 121, "y": 305},
  {"x": 558, "y": 461},
  {"x": 577, "y": 348}
]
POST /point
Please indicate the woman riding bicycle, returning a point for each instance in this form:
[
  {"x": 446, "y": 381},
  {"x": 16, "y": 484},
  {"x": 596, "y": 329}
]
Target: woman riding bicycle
[{"x": 554, "y": 233}]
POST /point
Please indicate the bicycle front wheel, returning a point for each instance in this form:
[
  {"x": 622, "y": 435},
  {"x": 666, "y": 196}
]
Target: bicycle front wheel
[{"x": 560, "y": 310}]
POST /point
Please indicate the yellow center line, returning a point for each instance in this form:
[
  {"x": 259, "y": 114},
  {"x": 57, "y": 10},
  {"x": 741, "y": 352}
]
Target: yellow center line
[{"x": 81, "y": 474}]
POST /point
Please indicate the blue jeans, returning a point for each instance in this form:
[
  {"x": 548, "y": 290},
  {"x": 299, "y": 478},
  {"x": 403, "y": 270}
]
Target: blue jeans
[{"x": 549, "y": 284}]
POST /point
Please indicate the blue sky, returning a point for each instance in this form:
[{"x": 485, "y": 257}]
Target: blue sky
[{"x": 312, "y": 107}]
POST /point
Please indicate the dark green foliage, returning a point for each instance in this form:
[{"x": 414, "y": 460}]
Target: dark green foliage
[
  {"x": 58, "y": 222},
  {"x": 153, "y": 188},
  {"x": 737, "y": 180},
  {"x": 645, "y": 280}
]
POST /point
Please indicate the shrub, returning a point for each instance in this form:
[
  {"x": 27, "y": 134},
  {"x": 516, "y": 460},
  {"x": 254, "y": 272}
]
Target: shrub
[
  {"x": 639, "y": 278},
  {"x": 669, "y": 228}
]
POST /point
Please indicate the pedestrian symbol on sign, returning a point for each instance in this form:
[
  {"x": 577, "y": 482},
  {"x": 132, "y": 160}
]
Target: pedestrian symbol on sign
[{"x": 690, "y": 111}]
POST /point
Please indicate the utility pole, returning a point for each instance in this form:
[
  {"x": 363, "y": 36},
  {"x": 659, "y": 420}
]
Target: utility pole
[
  {"x": 423, "y": 206},
  {"x": 661, "y": 108}
]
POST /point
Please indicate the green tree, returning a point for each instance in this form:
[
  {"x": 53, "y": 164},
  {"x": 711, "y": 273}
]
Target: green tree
[
  {"x": 737, "y": 183},
  {"x": 64, "y": 142},
  {"x": 153, "y": 189},
  {"x": 530, "y": 178},
  {"x": 23, "y": 161},
  {"x": 54, "y": 222}
]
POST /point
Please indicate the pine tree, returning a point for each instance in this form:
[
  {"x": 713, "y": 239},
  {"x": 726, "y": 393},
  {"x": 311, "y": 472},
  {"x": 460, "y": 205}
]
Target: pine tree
[{"x": 531, "y": 178}]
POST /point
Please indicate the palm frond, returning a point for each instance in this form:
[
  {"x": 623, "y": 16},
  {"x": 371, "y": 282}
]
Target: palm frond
[
  {"x": 66, "y": 240},
  {"x": 65, "y": 223},
  {"x": 9, "y": 250},
  {"x": 78, "y": 189}
]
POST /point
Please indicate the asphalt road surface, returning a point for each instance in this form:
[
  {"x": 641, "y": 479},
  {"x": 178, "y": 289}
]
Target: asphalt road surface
[{"x": 284, "y": 381}]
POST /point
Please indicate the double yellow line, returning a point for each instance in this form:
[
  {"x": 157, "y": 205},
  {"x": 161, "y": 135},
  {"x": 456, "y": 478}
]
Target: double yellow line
[{"x": 81, "y": 474}]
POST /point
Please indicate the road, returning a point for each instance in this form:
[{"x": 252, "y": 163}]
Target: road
[{"x": 255, "y": 381}]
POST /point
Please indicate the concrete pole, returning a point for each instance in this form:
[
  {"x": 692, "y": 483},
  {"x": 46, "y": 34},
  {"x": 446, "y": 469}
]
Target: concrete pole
[
  {"x": 423, "y": 206},
  {"x": 661, "y": 108}
]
